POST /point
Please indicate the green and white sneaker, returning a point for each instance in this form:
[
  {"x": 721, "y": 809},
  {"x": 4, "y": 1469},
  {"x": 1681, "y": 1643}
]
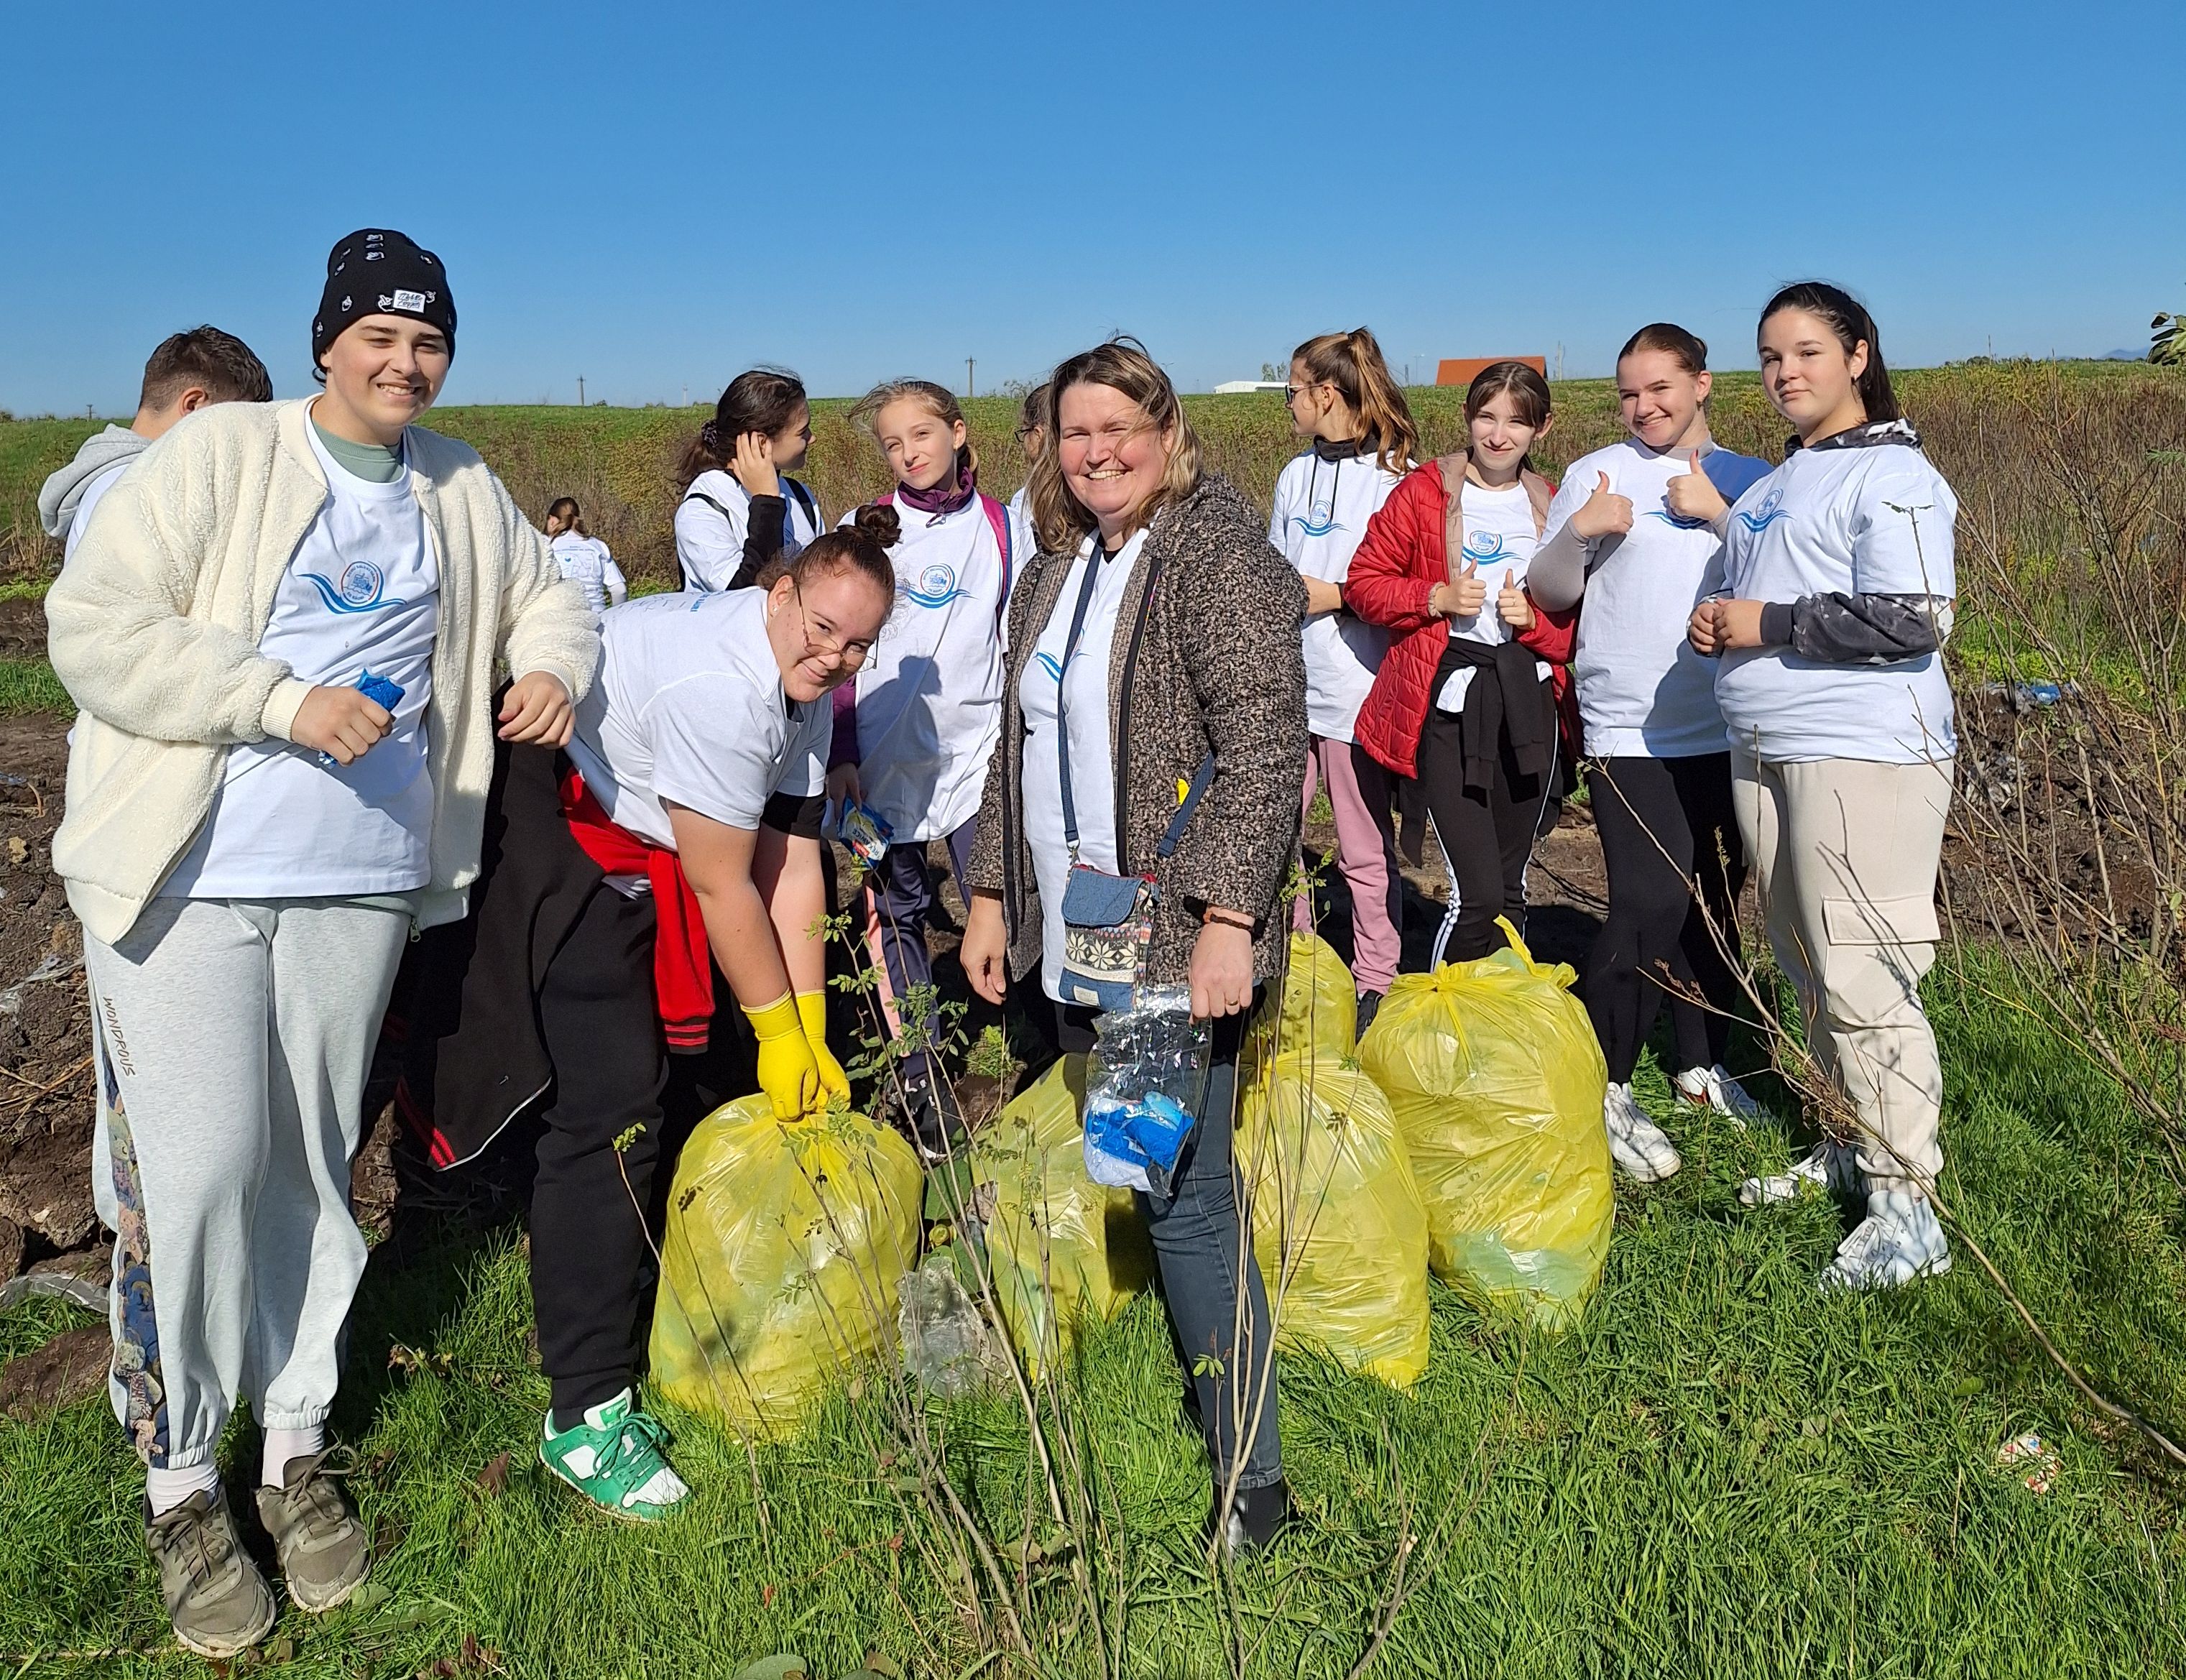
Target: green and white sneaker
[{"x": 614, "y": 1457}]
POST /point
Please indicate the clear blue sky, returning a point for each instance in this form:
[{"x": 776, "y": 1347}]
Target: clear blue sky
[{"x": 654, "y": 196}]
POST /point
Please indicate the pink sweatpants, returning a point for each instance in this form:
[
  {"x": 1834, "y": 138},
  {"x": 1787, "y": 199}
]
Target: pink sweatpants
[{"x": 1365, "y": 853}]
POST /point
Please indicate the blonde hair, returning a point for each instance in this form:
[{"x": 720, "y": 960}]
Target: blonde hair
[
  {"x": 1353, "y": 362},
  {"x": 940, "y": 401},
  {"x": 1123, "y": 366}
]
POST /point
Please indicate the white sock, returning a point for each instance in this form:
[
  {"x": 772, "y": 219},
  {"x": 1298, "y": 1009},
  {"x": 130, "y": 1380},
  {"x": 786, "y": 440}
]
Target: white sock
[
  {"x": 284, "y": 1444},
  {"x": 165, "y": 1489}
]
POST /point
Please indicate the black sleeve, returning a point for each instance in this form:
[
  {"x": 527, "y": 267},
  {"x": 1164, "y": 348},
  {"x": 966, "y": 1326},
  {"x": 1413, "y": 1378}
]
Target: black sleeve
[
  {"x": 796, "y": 815},
  {"x": 1858, "y": 630},
  {"x": 763, "y": 529}
]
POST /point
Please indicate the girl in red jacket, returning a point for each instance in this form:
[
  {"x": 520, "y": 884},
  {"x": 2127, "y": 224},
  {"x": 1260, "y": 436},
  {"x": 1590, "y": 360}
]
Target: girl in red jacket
[{"x": 1464, "y": 700}]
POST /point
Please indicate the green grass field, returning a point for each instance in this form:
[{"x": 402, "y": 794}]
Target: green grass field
[{"x": 1719, "y": 1472}]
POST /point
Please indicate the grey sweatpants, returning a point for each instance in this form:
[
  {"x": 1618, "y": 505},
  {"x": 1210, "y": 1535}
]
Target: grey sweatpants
[
  {"x": 1845, "y": 853},
  {"x": 234, "y": 1038}
]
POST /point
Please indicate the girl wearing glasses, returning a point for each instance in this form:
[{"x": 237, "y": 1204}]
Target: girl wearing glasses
[
  {"x": 683, "y": 816},
  {"x": 913, "y": 735},
  {"x": 1343, "y": 399}
]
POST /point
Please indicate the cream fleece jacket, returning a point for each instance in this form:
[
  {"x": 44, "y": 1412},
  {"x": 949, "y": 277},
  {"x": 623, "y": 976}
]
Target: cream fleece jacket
[{"x": 155, "y": 625}]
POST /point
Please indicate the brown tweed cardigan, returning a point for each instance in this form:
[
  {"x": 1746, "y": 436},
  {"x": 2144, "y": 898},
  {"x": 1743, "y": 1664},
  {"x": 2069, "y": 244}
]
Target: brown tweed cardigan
[{"x": 1207, "y": 656}]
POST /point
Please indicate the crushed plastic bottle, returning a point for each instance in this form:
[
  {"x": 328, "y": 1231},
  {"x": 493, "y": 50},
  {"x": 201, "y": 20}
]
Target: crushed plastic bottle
[{"x": 1146, "y": 1079}]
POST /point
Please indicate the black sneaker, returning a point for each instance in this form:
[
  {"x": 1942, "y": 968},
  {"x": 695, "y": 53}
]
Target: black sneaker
[
  {"x": 1257, "y": 1515},
  {"x": 937, "y": 1123},
  {"x": 1370, "y": 1005}
]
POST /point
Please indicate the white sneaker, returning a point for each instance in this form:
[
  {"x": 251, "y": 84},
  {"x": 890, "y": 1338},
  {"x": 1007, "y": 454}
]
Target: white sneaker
[
  {"x": 1826, "y": 1166},
  {"x": 1714, "y": 1087},
  {"x": 1900, "y": 1239},
  {"x": 1636, "y": 1143}
]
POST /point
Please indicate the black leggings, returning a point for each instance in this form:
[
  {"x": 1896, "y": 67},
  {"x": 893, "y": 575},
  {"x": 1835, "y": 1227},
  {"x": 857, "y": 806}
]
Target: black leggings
[
  {"x": 1486, "y": 838},
  {"x": 1666, "y": 825}
]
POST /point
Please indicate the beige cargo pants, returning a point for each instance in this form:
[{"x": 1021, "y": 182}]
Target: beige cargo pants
[{"x": 1845, "y": 854}]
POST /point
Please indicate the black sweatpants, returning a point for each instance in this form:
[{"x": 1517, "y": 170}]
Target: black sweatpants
[
  {"x": 589, "y": 1255},
  {"x": 1487, "y": 837},
  {"x": 1667, "y": 827}
]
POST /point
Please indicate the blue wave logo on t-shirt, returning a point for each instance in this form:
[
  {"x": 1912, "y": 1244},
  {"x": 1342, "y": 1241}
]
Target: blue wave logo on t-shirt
[
  {"x": 1668, "y": 519},
  {"x": 1768, "y": 513},
  {"x": 362, "y": 588},
  {"x": 1318, "y": 523},
  {"x": 1047, "y": 662},
  {"x": 936, "y": 587},
  {"x": 1483, "y": 547}
]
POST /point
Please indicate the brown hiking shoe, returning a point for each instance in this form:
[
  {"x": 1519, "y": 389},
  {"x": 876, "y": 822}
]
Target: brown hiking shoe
[
  {"x": 218, "y": 1602},
  {"x": 325, "y": 1554}
]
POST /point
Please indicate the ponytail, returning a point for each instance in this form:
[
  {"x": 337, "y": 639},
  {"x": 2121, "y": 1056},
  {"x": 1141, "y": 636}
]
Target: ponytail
[
  {"x": 1353, "y": 362},
  {"x": 1847, "y": 318}
]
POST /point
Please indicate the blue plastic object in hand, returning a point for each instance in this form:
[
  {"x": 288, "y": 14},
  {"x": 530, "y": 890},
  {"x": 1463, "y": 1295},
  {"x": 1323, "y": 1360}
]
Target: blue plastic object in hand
[{"x": 384, "y": 691}]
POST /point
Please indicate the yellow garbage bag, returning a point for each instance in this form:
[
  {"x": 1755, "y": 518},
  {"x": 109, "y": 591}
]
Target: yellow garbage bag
[
  {"x": 1317, "y": 1011},
  {"x": 785, "y": 1245},
  {"x": 1058, "y": 1245},
  {"x": 1497, "y": 1081},
  {"x": 1338, "y": 1224}
]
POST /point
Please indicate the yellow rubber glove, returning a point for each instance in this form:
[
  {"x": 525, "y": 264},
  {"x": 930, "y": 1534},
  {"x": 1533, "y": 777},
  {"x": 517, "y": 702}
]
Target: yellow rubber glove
[
  {"x": 786, "y": 1072},
  {"x": 812, "y": 1010}
]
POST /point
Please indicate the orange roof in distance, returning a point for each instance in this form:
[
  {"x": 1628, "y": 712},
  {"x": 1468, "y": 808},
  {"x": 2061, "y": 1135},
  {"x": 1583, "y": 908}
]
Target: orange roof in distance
[{"x": 1465, "y": 369}]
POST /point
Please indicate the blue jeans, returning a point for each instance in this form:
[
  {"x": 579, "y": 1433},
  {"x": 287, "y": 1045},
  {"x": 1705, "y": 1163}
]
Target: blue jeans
[{"x": 1207, "y": 1265}]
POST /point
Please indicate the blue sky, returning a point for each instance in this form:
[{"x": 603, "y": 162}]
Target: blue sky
[{"x": 654, "y": 196}]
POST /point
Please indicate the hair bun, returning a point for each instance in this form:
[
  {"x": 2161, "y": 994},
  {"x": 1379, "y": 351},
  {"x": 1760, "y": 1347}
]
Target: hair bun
[{"x": 880, "y": 521}]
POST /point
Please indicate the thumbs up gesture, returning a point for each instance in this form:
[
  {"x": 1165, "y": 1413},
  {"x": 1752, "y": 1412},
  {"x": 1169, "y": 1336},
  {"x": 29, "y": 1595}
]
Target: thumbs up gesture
[
  {"x": 1605, "y": 513},
  {"x": 1462, "y": 597},
  {"x": 1513, "y": 605},
  {"x": 1694, "y": 495}
]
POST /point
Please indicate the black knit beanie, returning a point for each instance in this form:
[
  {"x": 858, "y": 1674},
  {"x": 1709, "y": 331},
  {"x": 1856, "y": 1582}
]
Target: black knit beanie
[{"x": 376, "y": 270}]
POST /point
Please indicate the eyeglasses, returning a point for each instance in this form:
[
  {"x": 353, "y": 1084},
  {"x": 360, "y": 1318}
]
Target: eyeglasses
[
  {"x": 849, "y": 653},
  {"x": 1292, "y": 393}
]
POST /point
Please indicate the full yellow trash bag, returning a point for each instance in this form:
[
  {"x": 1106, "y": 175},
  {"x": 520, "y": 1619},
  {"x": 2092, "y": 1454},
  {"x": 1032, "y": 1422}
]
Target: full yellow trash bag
[
  {"x": 1058, "y": 1244},
  {"x": 1337, "y": 1221},
  {"x": 785, "y": 1242},
  {"x": 1497, "y": 1082},
  {"x": 1317, "y": 1013}
]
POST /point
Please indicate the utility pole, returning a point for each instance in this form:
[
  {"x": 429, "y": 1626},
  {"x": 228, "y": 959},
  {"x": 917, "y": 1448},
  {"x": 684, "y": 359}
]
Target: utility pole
[
  {"x": 580, "y": 390},
  {"x": 970, "y": 389},
  {"x": 687, "y": 393},
  {"x": 1559, "y": 361}
]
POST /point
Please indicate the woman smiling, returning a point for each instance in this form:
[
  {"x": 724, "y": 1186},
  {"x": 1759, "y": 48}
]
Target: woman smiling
[{"x": 1153, "y": 646}]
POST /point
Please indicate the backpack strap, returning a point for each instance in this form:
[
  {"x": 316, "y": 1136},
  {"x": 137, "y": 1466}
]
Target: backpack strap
[
  {"x": 998, "y": 517},
  {"x": 803, "y": 497},
  {"x": 1186, "y": 806}
]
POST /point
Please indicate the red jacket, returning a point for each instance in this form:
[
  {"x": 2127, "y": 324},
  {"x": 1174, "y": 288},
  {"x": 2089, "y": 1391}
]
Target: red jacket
[{"x": 1400, "y": 560}]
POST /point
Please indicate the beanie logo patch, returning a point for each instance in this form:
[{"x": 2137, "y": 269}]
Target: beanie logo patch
[{"x": 413, "y": 301}]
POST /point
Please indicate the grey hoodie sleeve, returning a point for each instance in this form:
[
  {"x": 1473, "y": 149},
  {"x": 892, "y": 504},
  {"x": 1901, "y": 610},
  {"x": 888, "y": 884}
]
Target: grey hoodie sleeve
[
  {"x": 61, "y": 496},
  {"x": 1555, "y": 576},
  {"x": 1843, "y": 628}
]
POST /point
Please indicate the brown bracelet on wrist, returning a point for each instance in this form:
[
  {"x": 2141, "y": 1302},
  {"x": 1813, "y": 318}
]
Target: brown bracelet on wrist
[{"x": 1212, "y": 917}]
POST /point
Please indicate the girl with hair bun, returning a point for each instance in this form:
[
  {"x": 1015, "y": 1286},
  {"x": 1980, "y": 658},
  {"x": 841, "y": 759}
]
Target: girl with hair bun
[
  {"x": 739, "y": 508},
  {"x": 1838, "y": 589},
  {"x": 682, "y": 818},
  {"x": 1658, "y": 770},
  {"x": 914, "y": 734},
  {"x": 1344, "y": 401}
]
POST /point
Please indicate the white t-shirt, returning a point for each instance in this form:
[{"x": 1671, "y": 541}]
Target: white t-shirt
[
  {"x": 930, "y": 694},
  {"x": 94, "y": 487},
  {"x": 1873, "y": 520},
  {"x": 689, "y": 707},
  {"x": 1023, "y": 538},
  {"x": 1320, "y": 513},
  {"x": 1499, "y": 538},
  {"x": 713, "y": 519},
  {"x": 585, "y": 561},
  {"x": 1084, "y": 691},
  {"x": 1643, "y": 691},
  {"x": 361, "y": 594}
]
